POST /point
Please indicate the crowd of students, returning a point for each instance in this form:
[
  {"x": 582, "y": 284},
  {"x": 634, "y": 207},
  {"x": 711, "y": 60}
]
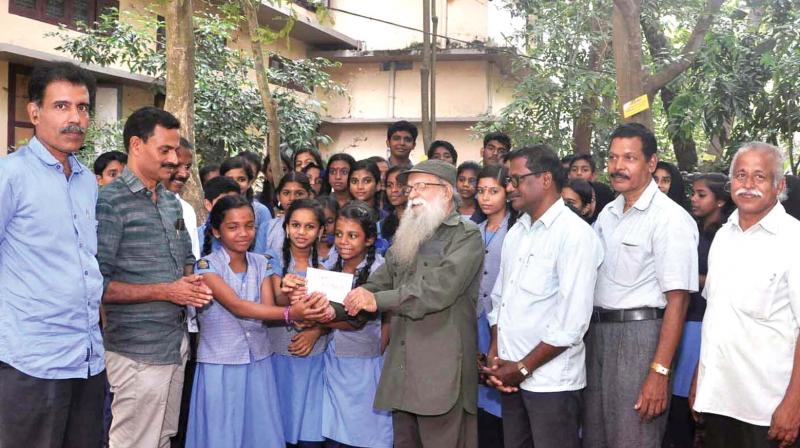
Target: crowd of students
[{"x": 270, "y": 364}]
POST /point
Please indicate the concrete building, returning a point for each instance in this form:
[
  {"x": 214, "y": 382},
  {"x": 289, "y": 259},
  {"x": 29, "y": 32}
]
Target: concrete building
[{"x": 380, "y": 65}]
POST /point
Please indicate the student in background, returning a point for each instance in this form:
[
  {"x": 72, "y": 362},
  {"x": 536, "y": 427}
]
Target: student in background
[
  {"x": 395, "y": 200},
  {"x": 316, "y": 177},
  {"x": 339, "y": 167},
  {"x": 304, "y": 157},
  {"x": 443, "y": 150},
  {"x": 293, "y": 186},
  {"x": 240, "y": 170},
  {"x": 208, "y": 172},
  {"x": 325, "y": 244},
  {"x": 401, "y": 138},
  {"x": 213, "y": 191},
  {"x": 108, "y": 166},
  {"x": 466, "y": 182}
]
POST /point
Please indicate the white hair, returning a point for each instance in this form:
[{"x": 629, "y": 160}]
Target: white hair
[
  {"x": 777, "y": 157},
  {"x": 418, "y": 226}
]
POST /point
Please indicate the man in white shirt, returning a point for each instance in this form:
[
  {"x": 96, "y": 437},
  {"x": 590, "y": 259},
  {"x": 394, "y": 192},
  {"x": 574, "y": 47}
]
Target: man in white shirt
[
  {"x": 541, "y": 307},
  {"x": 642, "y": 293},
  {"x": 748, "y": 379}
]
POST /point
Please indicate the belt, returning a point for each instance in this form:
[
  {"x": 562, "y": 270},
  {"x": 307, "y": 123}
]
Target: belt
[{"x": 629, "y": 315}]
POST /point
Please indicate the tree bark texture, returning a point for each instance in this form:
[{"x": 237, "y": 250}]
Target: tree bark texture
[
  {"x": 425, "y": 73},
  {"x": 250, "y": 9},
  {"x": 180, "y": 87}
]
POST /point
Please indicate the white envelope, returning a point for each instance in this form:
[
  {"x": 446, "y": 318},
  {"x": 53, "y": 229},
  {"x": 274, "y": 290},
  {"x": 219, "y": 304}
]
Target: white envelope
[{"x": 335, "y": 285}]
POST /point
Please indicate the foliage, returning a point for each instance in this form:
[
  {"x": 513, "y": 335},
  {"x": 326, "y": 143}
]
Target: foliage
[
  {"x": 101, "y": 137},
  {"x": 229, "y": 114},
  {"x": 743, "y": 85},
  {"x": 554, "y": 74}
]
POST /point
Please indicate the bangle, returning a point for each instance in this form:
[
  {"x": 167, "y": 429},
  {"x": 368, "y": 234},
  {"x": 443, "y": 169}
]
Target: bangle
[{"x": 286, "y": 314}]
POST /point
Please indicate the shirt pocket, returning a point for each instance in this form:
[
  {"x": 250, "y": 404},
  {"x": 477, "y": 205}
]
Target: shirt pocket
[
  {"x": 539, "y": 278},
  {"x": 630, "y": 262},
  {"x": 760, "y": 292}
]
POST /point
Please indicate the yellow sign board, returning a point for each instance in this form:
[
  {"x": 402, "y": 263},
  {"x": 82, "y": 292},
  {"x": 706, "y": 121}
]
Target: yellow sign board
[{"x": 635, "y": 106}]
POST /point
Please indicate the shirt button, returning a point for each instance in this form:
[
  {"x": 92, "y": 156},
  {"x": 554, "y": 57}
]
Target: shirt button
[
  {"x": 85, "y": 272},
  {"x": 75, "y": 216},
  {"x": 486, "y": 251},
  {"x": 402, "y": 342},
  {"x": 484, "y": 295},
  {"x": 485, "y": 272}
]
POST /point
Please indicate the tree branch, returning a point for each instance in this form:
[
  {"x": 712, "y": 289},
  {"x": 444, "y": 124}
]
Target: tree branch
[{"x": 689, "y": 52}]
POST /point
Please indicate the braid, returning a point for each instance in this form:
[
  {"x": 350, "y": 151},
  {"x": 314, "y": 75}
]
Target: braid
[
  {"x": 314, "y": 256},
  {"x": 363, "y": 275},
  {"x": 338, "y": 266},
  {"x": 207, "y": 238},
  {"x": 287, "y": 254}
]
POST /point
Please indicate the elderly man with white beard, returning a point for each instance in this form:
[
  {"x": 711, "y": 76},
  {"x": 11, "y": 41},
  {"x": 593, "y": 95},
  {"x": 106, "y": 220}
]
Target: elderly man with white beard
[
  {"x": 429, "y": 287},
  {"x": 748, "y": 379}
]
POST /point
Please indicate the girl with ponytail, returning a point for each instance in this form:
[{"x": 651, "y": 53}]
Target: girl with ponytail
[
  {"x": 353, "y": 359},
  {"x": 298, "y": 359}
]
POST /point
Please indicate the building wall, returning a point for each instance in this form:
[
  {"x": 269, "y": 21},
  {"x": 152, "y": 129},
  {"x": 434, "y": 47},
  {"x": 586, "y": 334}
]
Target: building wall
[{"x": 366, "y": 140}]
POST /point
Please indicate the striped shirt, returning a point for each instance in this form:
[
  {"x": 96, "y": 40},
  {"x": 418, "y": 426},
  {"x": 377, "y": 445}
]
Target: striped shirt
[{"x": 142, "y": 242}]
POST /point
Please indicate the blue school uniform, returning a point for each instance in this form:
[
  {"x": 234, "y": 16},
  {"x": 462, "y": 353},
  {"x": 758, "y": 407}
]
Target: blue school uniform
[
  {"x": 353, "y": 364},
  {"x": 299, "y": 382},
  {"x": 488, "y": 397},
  {"x": 263, "y": 218},
  {"x": 275, "y": 235},
  {"x": 234, "y": 395}
]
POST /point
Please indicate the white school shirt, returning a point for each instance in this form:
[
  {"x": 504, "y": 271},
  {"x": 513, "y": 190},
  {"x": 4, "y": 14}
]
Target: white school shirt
[
  {"x": 751, "y": 325},
  {"x": 190, "y": 220},
  {"x": 649, "y": 250},
  {"x": 543, "y": 293}
]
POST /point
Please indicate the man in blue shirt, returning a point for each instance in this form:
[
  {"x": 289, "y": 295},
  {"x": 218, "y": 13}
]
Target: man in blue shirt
[{"x": 51, "y": 351}]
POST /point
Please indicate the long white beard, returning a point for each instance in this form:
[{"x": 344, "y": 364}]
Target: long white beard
[{"x": 417, "y": 226}]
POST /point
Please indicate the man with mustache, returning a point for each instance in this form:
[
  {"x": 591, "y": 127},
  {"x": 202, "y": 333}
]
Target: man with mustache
[
  {"x": 51, "y": 351},
  {"x": 145, "y": 255},
  {"x": 429, "y": 287},
  {"x": 541, "y": 306},
  {"x": 748, "y": 379},
  {"x": 640, "y": 300}
]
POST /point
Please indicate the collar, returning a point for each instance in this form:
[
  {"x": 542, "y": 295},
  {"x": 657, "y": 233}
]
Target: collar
[
  {"x": 618, "y": 205},
  {"x": 38, "y": 149},
  {"x": 135, "y": 184},
  {"x": 771, "y": 222},
  {"x": 503, "y": 223},
  {"x": 452, "y": 219},
  {"x": 547, "y": 219}
]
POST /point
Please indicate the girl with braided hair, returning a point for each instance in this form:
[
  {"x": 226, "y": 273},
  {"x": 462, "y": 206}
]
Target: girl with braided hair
[
  {"x": 353, "y": 360},
  {"x": 298, "y": 359}
]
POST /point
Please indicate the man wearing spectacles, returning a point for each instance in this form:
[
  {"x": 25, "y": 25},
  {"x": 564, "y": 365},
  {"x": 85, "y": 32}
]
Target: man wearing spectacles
[
  {"x": 641, "y": 298},
  {"x": 541, "y": 307},
  {"x": 429, "y": 285}
]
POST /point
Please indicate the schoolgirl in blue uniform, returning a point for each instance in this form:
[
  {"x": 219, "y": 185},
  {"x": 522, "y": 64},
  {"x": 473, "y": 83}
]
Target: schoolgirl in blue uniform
[
  {"x": 298, "y": 359},
  {"x": 234, "y": 398},
  {"x": 353, "y": 360},
  {"x": 365, "y": 185},
  {"x": 292, "y": 186}
]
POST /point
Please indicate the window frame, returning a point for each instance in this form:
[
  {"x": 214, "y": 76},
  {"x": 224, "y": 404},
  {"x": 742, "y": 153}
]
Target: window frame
[{"x": 37, "y": 12}]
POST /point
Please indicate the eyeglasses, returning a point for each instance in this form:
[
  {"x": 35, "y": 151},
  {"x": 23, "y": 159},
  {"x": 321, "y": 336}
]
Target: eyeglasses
[
  {"x": 514, "y": 180},
  {"x": 419, "y": 187}
]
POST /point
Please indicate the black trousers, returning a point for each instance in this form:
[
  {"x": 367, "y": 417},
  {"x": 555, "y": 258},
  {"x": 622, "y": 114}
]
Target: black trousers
[
  {"x": 726, "y": 432},
  {"x": 541, "y": 419},
  {"x": 680, "y": 425},
  {"x": 44, "y": 413}
]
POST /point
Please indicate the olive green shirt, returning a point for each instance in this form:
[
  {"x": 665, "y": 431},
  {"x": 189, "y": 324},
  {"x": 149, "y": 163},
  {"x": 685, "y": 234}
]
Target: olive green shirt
[{"x": 430, "y": 360}]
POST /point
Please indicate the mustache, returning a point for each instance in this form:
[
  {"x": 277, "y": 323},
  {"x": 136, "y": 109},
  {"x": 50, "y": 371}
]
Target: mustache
[
  {"x": 620, "y": 176},
  {"x": 751, "y": 191},
  {"x": 72, "y": 129}
]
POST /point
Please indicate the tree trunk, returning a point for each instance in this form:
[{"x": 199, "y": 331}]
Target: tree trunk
[
  {"x": 250, "y": 10},
  {"x": 627, "y": 43},
  {"x": 435, "y": 22},
  {"x": 425, "y": 73},
  {"x": 583, "y": 127},
  {"x": 685, "y": 148},
  {"x": 180, "y": 87}
]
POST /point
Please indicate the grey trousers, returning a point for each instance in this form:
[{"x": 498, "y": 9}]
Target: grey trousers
[
  {"x": 455, "y": 429},
  {"x": 618, "y": 357},
  {"x": 541, "y": 419}
]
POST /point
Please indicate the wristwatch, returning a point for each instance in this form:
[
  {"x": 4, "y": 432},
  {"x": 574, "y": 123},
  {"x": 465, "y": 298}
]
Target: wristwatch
[
  {"x": 522, "y": 369},
  {"x": 659, "y": 369}
]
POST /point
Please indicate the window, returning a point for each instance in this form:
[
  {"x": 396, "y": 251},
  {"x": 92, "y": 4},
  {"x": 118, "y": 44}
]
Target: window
[
  {"x": 67, "y": 12},
  {"x": 20, "y": 129},
  {"x": 311, "y": 5}
]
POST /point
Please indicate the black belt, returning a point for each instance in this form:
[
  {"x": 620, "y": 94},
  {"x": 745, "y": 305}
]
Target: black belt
[{"x": 629, "y": 315}]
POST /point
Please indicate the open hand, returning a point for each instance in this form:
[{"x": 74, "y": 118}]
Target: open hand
[{"x": 360, "y": 299}]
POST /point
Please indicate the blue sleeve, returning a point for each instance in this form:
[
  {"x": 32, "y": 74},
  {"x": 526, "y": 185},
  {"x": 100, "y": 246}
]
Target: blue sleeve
[
  {"x": 274, "y": 263},
  {"x": 8, "y": 201},
  {"x": 203, "y": 266}
]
